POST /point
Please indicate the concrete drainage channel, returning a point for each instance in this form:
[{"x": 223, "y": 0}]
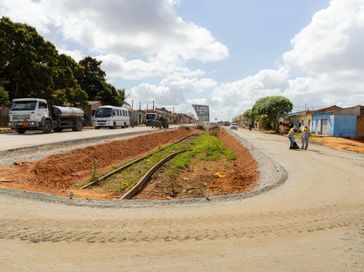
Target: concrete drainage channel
[{"x": 272, "y": 175}]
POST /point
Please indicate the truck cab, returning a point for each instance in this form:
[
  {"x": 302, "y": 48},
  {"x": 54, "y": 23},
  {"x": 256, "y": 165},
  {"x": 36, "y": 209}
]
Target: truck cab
[{"x": 28, "y": 113}]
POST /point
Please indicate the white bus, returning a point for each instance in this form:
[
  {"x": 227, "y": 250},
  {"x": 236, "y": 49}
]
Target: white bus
[{"x": 110, "y": 116}]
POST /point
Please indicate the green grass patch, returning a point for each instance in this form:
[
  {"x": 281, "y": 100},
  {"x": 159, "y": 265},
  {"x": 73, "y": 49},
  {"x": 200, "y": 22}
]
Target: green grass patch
[{"x": 205, "y": 147}]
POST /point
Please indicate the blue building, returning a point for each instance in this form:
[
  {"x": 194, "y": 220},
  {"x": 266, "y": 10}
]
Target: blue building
[{"x": 327, "y": 121}]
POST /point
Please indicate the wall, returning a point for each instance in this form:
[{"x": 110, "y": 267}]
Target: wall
[
  {"x": 360, "y": 127},
  {"x": 319, "y": 117},
  {"x": 345, "y": 126}
]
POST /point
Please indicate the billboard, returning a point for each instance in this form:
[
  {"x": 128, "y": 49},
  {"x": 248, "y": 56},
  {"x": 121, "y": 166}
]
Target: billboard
[{"x": 203, "y": 112}]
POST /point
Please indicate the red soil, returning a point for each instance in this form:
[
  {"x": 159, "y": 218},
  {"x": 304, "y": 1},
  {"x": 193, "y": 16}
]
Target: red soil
[{"x": 57, "y": 173}]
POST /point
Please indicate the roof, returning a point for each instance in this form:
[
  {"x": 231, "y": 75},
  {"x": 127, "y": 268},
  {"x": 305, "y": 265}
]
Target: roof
[
  {"x": 28, "y": 99},
  {"x": 93, "y": 102},
  {"x": 330, "y": 109},
  {"x": 298, "y": 113}
]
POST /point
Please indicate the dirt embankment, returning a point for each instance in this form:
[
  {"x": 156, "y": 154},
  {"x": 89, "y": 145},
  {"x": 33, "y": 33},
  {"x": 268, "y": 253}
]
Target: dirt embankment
[
  {"x": 204, "y": 178},
  {"x": 57, "y": 173}
]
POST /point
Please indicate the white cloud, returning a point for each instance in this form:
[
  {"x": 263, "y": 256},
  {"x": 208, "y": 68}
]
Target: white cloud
[
  {"x": 176, "y": 90},
  {"x": 118, "y": 31},
  {"x": 323, "y": 67}
]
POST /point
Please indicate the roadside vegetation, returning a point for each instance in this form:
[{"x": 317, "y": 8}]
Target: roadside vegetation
[{"x": 203, "y": 147}]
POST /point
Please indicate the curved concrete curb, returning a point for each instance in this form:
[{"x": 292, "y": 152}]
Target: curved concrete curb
[{"x": 272, "y": 175}]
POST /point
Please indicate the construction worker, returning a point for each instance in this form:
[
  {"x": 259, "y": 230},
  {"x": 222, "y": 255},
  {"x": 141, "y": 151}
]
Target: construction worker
[
  {"x": 305, "y": 136},
  {"x": 291, "y": 136}
]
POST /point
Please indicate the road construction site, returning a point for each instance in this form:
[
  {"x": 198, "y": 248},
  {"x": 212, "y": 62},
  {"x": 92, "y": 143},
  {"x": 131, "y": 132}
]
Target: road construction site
[{"x": 302, "y": 211}]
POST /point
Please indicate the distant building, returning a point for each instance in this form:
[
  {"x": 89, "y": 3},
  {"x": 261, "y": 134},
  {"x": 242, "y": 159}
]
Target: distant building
[
  {"x": 328, "y": 121},
  {"x": 357, "y": 111},
  {"x": 89, "y": 109}
]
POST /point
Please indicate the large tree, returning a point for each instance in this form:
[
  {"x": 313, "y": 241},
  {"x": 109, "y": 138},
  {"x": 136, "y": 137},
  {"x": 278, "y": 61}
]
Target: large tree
[
  {"x": 272, "y": 108},
  {"x": 31, "y": 67},
  {"x": 26, "y": 60},
  {"x": 93, "y": 80}
]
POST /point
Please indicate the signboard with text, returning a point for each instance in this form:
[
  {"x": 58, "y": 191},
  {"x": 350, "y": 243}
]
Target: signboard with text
[{"x": 203, "y": 112}]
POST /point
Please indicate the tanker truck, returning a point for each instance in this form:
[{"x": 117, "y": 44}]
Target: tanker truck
[{"x": 38, "y": 114}]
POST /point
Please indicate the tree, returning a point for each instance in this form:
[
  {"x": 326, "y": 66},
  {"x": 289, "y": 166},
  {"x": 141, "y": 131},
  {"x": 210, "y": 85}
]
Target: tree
[
  {"x": 92, "y": 78},
  {"x": 248, "y": 114},
  {"x": 4, "y": 96},
  {"x": 27, "y": 60},
  {"x": 272, "y": 108}
]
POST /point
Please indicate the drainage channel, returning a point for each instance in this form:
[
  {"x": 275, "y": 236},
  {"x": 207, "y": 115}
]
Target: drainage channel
[{"x": 144, "y": 168}]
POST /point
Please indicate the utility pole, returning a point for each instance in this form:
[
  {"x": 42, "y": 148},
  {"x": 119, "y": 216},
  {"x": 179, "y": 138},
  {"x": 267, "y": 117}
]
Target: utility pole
[
  {"x": 140, "y": 105},
  {"x": 153, "y": 104}
]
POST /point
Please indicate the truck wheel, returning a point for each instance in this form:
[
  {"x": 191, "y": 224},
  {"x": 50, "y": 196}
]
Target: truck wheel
[
  {"x": 20, "y": 130},
  {"x": 78, "y": 126},
  {"x": 48, "y": 126}
]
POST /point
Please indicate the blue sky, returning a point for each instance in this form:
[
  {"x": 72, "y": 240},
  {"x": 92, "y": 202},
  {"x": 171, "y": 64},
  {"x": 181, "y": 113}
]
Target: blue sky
[
  {"x": 256, "y": 32},
  {"x": 226, "y": 53}
]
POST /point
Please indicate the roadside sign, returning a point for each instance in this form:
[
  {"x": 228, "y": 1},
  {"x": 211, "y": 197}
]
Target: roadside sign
[{"x": 203, "y": 112}]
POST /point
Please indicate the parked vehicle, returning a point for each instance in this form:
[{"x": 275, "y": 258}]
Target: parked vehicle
[
  {"x": 234, "y": 126},
  {"x": 152, "y": 119},
  {"x": 38, "y": 114},
  {"x": 112, "y": 117}
]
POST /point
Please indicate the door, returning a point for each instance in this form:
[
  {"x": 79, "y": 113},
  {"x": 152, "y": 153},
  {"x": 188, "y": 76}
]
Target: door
[
  {"x": 316, "y": 127},
  {"x": 324, "y": 127}
]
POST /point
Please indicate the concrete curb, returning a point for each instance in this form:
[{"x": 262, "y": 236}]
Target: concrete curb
[{"x": 272, "y": 175}]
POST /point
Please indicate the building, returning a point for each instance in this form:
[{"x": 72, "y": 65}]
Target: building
[
  {"x": 328, "y": 121},
  {"x": 357, "y": 111},
  {"x": 89, "y": 109},
  {"x": 300, "y": 119}
]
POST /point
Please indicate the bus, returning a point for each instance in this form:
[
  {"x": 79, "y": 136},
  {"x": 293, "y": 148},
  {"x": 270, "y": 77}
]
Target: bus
[{"x": 112, "y": 117}]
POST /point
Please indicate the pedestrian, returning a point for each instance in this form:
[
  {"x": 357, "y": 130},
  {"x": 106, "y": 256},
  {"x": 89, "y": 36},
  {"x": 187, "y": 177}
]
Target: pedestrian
[
  {"x": 291, "y": 137},
  {"x": 305, "y": 137}
]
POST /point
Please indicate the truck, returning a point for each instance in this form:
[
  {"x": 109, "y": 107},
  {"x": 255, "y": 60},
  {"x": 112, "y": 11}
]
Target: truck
[
  {"x": 154, "y": 119},
  {"x": 39, "y": 114}
]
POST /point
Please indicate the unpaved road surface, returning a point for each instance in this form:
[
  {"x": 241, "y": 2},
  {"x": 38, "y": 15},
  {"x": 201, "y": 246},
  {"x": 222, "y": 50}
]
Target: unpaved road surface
[{"x": 313, "y": 222}]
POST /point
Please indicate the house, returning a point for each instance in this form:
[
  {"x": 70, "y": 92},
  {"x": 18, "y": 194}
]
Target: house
[
  {"x": 300, "y": 119},
  {"x": 358, "y": 111},
  {"x": 327, "y": 121},
  {"x": 139, "y": 117},
  {"x": 89, "y": 109}
]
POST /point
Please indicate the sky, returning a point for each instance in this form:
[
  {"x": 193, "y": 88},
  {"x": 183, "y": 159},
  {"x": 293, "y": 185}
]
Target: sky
[{"x": 226, "y": 54}]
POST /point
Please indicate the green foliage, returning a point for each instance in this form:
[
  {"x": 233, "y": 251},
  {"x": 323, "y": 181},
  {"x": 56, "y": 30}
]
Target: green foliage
[
  {"x": 206, "y": 147},
  {"x": 4, "y": 96},
  {"x": 272, "y": 108},
  {"x": 249, "y": 114},
  {"x": 32, "y": 67}
]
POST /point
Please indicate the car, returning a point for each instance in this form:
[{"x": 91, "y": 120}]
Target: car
[{"x": 234, "y": 126}]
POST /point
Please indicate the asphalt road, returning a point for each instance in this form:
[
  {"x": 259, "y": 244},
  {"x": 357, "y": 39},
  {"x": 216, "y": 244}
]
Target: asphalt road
[
  {"x": 13, "y": 140},
  {"x": 313, "y": 222}
]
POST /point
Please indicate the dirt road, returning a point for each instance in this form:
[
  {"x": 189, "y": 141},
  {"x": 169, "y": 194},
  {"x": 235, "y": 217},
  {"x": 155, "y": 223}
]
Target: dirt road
[{"x": 313, "y": 222}]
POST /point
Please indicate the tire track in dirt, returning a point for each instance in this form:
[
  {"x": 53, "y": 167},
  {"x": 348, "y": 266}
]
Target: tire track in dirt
[{"x": 253, "y": 226}]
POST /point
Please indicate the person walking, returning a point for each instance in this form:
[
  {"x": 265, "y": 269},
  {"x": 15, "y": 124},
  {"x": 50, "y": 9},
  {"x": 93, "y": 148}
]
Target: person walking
[
  {"x": 305, "y": 137},
  {"x": 291, "y": 137}
]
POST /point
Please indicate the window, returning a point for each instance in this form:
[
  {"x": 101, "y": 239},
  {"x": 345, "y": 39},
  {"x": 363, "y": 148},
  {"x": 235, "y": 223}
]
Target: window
[{"x": 42, "y": 105}]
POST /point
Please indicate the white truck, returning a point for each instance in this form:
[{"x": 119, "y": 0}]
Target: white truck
[{"x": 38, "y": 114}]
